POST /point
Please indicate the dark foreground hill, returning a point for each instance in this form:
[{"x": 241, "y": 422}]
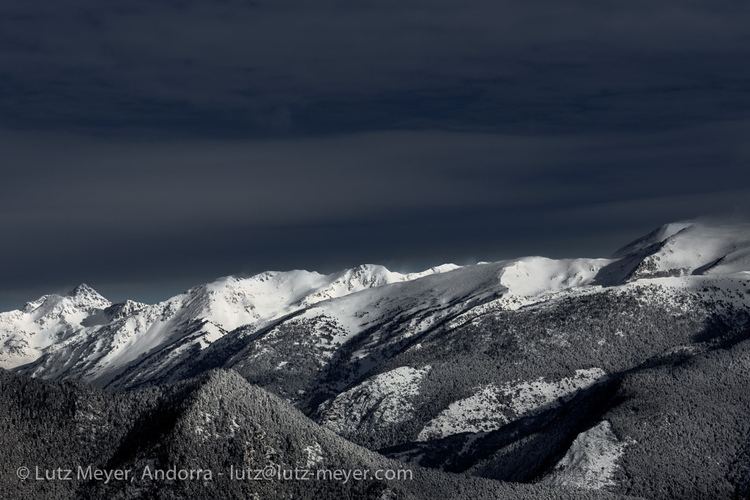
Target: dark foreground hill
[{"x": 215, "y": 423}]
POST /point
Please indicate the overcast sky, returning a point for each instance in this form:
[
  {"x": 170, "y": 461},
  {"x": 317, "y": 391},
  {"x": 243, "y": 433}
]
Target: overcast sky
[{"x": 149, "y": 145}]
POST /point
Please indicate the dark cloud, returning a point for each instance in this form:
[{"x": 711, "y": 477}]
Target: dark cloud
[
  {"x": 148, "y": 145},
  {"x": 314, "y": 67}
]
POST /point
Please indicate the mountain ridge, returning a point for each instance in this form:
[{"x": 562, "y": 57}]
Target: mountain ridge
[
  {"x": 205, "y": 311},
  {"x": 528, "y": 370},
  {"x": 97, "y": 340}
]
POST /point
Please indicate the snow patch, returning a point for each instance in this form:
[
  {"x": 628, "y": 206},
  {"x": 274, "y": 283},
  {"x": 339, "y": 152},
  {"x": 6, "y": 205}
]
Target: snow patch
[
  {"x": 313, "y": 455},
  {"x": 591, "y": 461},
  {"x": 493, "y": 406},
  {"x": 383, "y": 400}
]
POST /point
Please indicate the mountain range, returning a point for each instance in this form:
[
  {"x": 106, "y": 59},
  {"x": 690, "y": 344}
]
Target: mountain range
[{"x": 528, "y": 377}]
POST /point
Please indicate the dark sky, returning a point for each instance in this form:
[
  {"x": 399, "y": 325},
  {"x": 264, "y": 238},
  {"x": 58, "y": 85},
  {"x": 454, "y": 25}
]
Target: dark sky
[{"x": 149, "y": 145}]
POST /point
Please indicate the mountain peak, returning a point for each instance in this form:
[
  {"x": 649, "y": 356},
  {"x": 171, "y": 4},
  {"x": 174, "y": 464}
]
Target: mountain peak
[
  {"x": 82, "y": 289},
  {"x": 84, "y": 296},
  {"x": 680, "y": 249},
  {"x": 656, "y": 237}
]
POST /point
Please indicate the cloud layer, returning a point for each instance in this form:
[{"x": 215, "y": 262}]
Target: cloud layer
[{"x": 314, "y": 67}]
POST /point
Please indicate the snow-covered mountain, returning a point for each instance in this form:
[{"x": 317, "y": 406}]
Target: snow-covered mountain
[
  {"x": 393, "y": 313},
  {"x": 46, "y": 322},
  {"x": 82, "y": 335},
  {"x": 683, "y": 249},
  {"x": 529, "y": 369}
]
